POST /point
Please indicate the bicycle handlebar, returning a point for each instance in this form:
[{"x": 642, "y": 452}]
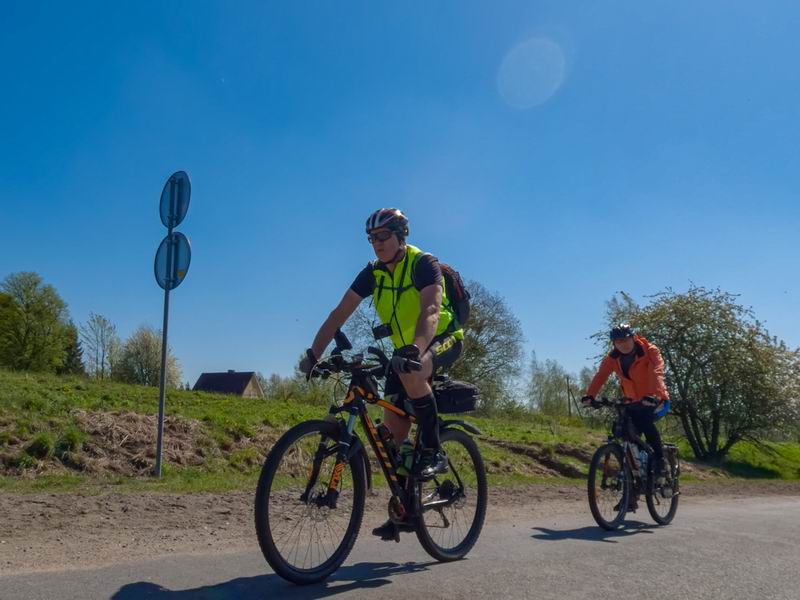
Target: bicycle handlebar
[
  {"x": 606, "y": 402},
  {"x": 379, "y": 354},
  {"x": 336, "y": 363}
]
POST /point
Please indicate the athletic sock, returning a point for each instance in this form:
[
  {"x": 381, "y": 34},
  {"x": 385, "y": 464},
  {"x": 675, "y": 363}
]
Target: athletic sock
[{"x": 427, "y": 420}]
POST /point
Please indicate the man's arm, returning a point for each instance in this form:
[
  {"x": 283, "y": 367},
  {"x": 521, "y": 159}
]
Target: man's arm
[
  {"x": 335, "y": 320},
  {"x": 658, "y": 367},
  {"x": 606, "y": 367},
  {"x": 430, "y": 306}
]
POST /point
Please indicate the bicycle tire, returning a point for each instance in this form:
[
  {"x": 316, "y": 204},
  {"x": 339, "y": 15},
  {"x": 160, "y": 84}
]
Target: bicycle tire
[
  {"x": 264, "y": 528},
  {"x": 594, "y": 468},
  {"x": 460, "y": 550},
  {"x": 651, "y": 494}
]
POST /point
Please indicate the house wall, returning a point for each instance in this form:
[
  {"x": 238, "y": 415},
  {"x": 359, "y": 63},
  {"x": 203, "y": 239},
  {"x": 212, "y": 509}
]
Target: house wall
[{"x": 252, "y": 390}]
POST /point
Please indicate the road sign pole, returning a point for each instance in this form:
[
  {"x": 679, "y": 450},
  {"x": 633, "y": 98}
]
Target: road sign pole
[
  {"x": 170, "y": 267},
  {"x": 163, "y": 375},
  {"x": 162, "y": 385}
]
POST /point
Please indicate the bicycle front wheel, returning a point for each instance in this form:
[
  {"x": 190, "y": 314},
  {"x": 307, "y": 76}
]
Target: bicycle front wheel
[
  {"x": 609, "y": 488},
  {"x": 452, "y": 506},
  {"x": 303, "y": 534}
]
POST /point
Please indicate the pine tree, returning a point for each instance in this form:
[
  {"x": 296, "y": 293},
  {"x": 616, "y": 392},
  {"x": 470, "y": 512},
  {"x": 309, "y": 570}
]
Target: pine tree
[{"x": 73, "y": 353}]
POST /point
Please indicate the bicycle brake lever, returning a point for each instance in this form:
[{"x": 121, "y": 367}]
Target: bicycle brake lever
[{"x": 322, "y": 370}]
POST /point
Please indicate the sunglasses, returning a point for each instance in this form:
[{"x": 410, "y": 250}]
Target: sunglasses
[{"x": 380, "y": 236}]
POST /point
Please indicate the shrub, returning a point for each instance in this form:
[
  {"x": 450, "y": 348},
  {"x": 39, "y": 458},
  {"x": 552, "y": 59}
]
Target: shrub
[{"x": 41, "y": 446}]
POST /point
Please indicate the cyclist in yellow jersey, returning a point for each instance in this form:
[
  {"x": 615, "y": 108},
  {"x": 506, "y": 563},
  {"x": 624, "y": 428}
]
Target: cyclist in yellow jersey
[{"x": 409, "y": 296}]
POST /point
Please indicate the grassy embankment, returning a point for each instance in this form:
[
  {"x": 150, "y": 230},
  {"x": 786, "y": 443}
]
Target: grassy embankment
[{"x": 69, "y": 433}]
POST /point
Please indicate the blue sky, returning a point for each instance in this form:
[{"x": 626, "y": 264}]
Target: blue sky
[{"x": 556, "y": 152}]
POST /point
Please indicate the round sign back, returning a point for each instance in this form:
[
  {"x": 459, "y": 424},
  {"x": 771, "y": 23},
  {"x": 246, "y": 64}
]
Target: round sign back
[
  {"x": 175, "y": 199},
  {"x": 172, "y": 260}
]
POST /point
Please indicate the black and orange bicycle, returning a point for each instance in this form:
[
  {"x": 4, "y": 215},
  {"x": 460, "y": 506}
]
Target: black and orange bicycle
[
  {"x": 622, "y": 469},
  {"x": 311, "y": 493}
]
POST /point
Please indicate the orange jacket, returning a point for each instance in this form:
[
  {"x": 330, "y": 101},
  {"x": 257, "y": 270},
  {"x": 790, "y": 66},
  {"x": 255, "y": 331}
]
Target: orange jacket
[{"x": 646, "y": 373}]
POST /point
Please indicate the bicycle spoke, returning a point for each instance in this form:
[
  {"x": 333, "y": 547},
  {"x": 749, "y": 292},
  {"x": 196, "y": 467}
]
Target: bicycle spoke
[
  {"x": 306, "y": 534},
  {"x": 608, "y": 490},
  {"x": 446, "y": 523}
]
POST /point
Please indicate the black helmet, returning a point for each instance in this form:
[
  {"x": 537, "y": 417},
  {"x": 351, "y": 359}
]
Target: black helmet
[
  {"x": 391, "y": 218},
  {"x": 621, "y": 331}
]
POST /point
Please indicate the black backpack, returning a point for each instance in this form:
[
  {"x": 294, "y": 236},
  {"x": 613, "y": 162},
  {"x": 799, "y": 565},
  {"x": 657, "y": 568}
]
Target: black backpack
[{"x": 457, "y": 293}]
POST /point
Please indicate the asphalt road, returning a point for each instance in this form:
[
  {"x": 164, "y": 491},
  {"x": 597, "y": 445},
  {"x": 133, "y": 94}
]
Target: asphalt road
[{"x": 748, "y": 549}]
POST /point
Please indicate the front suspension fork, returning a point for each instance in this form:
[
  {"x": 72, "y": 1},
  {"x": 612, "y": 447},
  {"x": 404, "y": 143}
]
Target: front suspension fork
[{"x": 342, "y": 458}]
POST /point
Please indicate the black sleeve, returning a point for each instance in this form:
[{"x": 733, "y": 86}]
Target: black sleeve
[
  {"x": 364, "y": 283},
  {"x": 427, "y": 271}
]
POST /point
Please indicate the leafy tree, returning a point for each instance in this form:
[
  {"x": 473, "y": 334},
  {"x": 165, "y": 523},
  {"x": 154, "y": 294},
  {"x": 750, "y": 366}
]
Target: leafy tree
[
  {"x": 73, "y": 353},
  {"x": 729, "y": 380},
  {"x": 547, "y": 388},
  {"x": 492, "y": 357},
  {"x": 140, "y": 360},
  {"x": 8, "y": 316},
  {"x": 33, "y": 324}
]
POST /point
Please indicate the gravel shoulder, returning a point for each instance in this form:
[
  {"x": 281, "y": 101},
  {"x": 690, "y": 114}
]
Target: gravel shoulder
[{"x": 45, "y": 532}]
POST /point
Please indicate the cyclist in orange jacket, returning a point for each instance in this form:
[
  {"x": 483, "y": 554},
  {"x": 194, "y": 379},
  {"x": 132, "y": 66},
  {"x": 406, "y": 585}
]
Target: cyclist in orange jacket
[{"x": 640, "y": 370}]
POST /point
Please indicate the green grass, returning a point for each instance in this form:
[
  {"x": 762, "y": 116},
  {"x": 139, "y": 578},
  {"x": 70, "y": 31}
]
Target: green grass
[
  {"x": 747, "y": 460},
  {"x": 44, "y": 448},
  {"x": 768, "y": 460}
]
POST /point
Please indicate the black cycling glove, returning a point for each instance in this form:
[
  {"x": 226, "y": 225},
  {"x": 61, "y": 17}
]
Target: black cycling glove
[
  {"x": 307, "y": 363},
  {"x": 403, "y": 358}
]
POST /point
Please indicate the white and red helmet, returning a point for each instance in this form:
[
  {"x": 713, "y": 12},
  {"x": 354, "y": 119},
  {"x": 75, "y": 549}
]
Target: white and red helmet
[{"x": 392, "y": 219}]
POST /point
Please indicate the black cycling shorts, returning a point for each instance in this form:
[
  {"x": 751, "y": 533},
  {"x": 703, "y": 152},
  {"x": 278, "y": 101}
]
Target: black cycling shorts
[{"x": 444, "y": 349}]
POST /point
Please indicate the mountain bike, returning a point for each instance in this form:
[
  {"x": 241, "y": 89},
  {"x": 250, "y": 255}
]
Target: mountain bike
[
  {"x": 310, "y": 497},
  {"x": 623, "y": 468}
]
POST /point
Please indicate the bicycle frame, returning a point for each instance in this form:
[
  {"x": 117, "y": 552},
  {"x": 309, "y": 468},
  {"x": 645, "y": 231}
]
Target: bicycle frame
[
  {"x": 631, "y": 476},
  {"x": 361, "y": 392},
  {"x": 624, "y": 434}
]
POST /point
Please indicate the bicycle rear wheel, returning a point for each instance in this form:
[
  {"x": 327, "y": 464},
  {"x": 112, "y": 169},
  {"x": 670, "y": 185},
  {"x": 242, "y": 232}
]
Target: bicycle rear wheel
[
  {"x": 609, "y": 487},
  {"x": 302, "y": 536},
  {"x": 452, "y": 506},
  {"x": 662, "y": 499}
]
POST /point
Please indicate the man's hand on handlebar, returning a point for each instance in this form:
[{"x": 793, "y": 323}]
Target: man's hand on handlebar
[
  {"x": 324, "y": 367},
  {"x": 307, "y": 363},
  {"x": 406, "y": 359}
]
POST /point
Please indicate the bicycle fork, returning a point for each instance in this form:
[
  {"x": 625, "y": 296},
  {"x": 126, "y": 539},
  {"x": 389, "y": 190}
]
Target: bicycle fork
[
  {"x": 342, "y": 458},
  {"x": 342, "y": 447}
]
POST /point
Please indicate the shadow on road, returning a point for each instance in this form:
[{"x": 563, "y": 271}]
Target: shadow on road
[
  {"x": 347, "y": 579},
  {"x": 593, "y": 533}
]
